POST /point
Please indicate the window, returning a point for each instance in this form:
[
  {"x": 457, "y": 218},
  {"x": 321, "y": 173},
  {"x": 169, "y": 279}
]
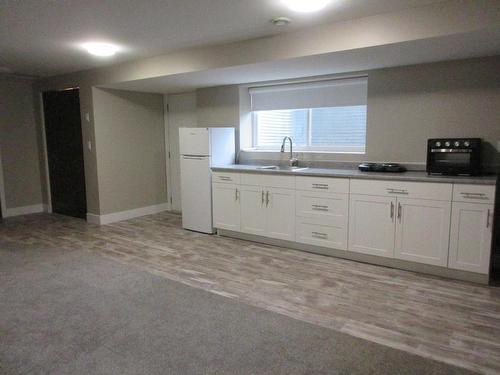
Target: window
[
  {"x": 333, "y": 121},
  {"x": 339, "y": 129}
]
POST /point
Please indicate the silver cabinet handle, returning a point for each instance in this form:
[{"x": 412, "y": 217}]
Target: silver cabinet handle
[
  {"x": 267, "y": 198},
  {"x": 262, "y": 198},
  {"x": 320, "y": 186},
  {"x": 397, "y": 191},
  {"x": 474, "y": 195},
  {"x": 318, "y": 207},
  {"x": 399, "y": 211},
  {"x": 488, "y": 219},
  {"x": 236, "y": 194},
  {"x": 392, "y": 210},
  {"x": 319, "y": 235},
  {"x": 225, "y": 178}
]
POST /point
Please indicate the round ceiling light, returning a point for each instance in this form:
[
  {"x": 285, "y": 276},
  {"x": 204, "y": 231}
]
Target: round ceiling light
[
  {"x": 100, "y": 49},
  {"x": 306, "y": 6}
]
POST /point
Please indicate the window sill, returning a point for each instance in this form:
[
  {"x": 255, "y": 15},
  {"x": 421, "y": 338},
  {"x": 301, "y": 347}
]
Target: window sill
[{"x": 256, "y": 150}]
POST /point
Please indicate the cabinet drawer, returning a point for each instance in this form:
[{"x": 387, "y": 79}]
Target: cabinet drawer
[
  {"x": 325, "y": 184},
  {"x": 315, "y": 232},
  {"x": 421, "y": 190},
  {"x": 226, "y": 177},
  {"x": 331, "y": 208},
  {"x": 473, "y": 193},
  {"x": 276, "y": 181}
]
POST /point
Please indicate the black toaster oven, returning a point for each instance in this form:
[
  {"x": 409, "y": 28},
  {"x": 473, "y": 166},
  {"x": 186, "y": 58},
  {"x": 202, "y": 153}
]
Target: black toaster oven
[{"x": 454, "y": 156}]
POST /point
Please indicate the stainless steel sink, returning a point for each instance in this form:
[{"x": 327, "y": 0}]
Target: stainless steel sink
[{"x": 279, "y": 168}]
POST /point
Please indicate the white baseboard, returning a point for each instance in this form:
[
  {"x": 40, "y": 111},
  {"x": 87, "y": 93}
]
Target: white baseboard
[
  {"x": 93, "y": 219},
  {"x": 25, "y": 210},
  {"x": 125, "y": 215}
]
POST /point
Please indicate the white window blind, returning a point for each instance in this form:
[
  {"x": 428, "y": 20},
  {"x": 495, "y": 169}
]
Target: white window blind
[
  {"x": 316, "y": 94},
  {"x": 318, "y": 116}
]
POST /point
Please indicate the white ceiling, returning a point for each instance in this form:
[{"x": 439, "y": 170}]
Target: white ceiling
[
  {"x": 460, "y": 46},
  {"x": 41, "y": 37}
]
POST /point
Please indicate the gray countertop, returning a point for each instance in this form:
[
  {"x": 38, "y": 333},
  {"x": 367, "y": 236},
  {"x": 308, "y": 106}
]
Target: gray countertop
[{"x": 419, "y": 176}]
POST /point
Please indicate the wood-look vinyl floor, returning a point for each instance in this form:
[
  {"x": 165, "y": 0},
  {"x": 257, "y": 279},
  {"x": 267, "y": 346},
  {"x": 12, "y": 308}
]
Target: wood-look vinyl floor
[{"x": 450, "y": 321}]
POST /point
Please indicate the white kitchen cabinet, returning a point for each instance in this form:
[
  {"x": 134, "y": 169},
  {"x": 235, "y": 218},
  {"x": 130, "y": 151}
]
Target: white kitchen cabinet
[
  {"x": 226, "y": 206},
  {"x": 439, "y": 224},
  {"x": 322, "y": 217},
  {"x": 281, "y": 214},
  {"x": 317, "y": 232},
  {"x": 470, "y": 238},
  {"x": 371, "y": 225},
  {"x": 253, "y": 209},
  {"x": 325, "y": 206},
  {"x": 422, "y": 231},
  {"x": 268, "y": 211}
]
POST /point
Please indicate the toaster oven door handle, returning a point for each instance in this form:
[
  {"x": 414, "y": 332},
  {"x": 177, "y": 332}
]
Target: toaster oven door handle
[{"x": 450, "y": 150}]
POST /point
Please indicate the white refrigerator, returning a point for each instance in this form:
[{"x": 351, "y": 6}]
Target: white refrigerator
[{"x": 201, "y": 149}]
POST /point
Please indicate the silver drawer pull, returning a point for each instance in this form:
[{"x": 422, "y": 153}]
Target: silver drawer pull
[
  {"x": 318, "y": 207},
  {"x": 474, "y": 195},
  {"x": 320, "y": 186},
  {"x": 319, "y": 235},
  {"x": 224, "y": 178},
  {"x": 397, "y": 191}
]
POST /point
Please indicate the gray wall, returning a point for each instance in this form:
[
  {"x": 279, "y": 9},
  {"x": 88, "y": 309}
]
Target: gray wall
[
  {"x": 408, "y": 105},
  {"x": 218, "y": 106},
  {"x": 18, "y": 143},
  {"x": 130, "y": 149},
  {"x": 453, "y": 99}
]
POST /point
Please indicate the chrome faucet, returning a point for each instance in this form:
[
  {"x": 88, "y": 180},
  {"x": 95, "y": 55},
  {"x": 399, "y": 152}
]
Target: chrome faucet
[{"x": 293, "y": 162}]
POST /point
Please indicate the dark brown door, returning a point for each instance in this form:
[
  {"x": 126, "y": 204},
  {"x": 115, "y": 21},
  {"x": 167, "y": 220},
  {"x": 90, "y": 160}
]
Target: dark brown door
[{"x": 63, "y": 131}]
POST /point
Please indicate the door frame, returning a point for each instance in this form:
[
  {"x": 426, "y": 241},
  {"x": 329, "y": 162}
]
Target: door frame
[
  {"x": 3, "y": 204},
  {"x": 45, "y": 153},
  {"x": 168, "y": 166},
  {"x": 44, "y": 142},
  {"x": 168, "y": 172}
]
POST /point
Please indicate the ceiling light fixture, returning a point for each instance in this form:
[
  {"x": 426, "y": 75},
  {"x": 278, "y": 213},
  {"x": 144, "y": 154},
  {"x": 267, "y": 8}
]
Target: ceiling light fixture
[
  {"x": 306, "y": 6},
  {"x": 101, "y": 49}
]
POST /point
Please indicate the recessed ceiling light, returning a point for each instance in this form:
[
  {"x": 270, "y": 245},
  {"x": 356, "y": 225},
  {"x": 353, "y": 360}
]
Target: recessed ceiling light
[
  {"x": 101, "y": 49},
  {"x": 306, "y": 6}
]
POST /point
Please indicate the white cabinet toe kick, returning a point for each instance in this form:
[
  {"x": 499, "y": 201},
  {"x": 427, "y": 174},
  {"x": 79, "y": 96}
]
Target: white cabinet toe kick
[{"x": 442, "y": 229}]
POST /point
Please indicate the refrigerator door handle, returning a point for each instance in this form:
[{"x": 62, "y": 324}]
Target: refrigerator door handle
[{"x": 189, "y": 157}]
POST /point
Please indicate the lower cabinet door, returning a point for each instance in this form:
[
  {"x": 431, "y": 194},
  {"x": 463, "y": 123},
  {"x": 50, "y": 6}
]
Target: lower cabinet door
[
  {"x": 226, "y": 206},
  {"x": 281, "y": 214},
  {"x": 371, "y": 225},
  {"x": 470, "y": 239},
  {"x": 253, "y": 210},
  {"x": 422, "y": 231}
]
